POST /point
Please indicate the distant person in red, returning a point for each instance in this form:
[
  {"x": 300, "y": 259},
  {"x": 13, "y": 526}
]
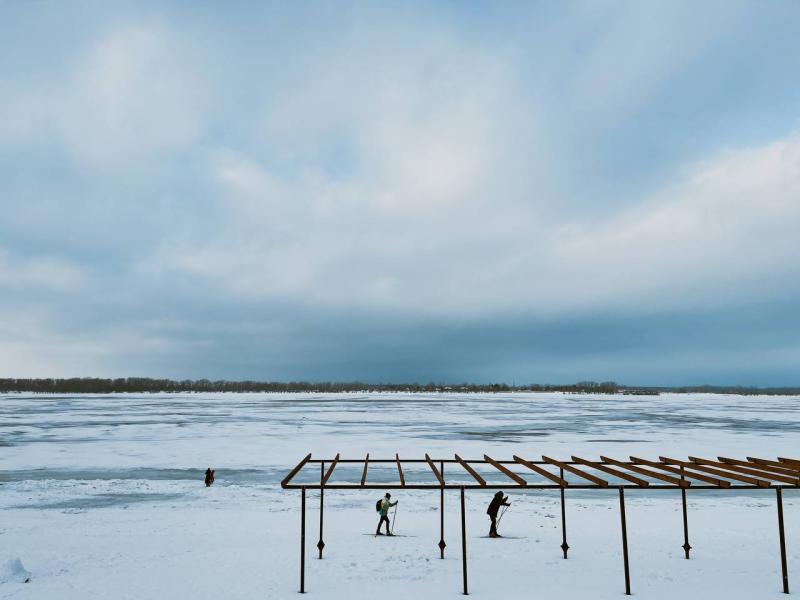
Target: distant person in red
[{"x": 209, "y": 476}]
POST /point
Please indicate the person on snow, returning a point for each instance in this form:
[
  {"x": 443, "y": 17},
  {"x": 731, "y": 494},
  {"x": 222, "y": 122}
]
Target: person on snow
[
  {"x": 209, "y": 477},
  {"x": 498, "y": 501},
  {"x": 383, "y": 508}
]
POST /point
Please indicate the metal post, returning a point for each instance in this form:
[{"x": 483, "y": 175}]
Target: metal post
[
  {"x": 464, "y": 543},
  {"x": 686, "y": 545},
  {"x": 624, "y": 540},
  {"x": 784, "y": 571},
  {"x": 320, "y": 543},
  {"x": 442, "y": 545},
  {"x": 564, "y": 545},
  {"x": 303, "y": 543}
]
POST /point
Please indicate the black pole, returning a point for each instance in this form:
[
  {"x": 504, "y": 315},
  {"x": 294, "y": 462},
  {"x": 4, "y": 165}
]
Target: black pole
[
  {"x": 686, "y": 545},
  {"x": 442, "y": 545},
  {"x": 464, "y": 543},
  {"x": 564, "y": 545},
  {"x": 320, "y": 543},
  {"x": 303, "y": 543},
  {"x": 624, "y": 541},
  {"x": 785, "y": 572}
]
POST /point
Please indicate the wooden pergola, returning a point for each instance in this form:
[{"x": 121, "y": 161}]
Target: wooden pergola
[{"x": 636, "y": 473}]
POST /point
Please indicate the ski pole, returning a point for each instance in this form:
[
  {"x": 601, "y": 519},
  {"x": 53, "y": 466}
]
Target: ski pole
[
  {"x": 394, "y": 516},
  {"x": 505, "y": 508}
]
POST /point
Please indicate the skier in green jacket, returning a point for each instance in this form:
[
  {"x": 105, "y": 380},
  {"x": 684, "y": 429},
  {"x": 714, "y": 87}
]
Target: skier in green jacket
[{"x": 385, "y": 505}]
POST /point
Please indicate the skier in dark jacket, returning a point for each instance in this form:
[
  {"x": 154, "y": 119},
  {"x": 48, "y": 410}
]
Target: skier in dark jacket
[
  {"x": 209, "y": 476},
  {"x": 498, "y": 501}
]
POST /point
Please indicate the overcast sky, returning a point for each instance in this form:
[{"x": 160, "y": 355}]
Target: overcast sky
[{"x": 452, "y": 191}]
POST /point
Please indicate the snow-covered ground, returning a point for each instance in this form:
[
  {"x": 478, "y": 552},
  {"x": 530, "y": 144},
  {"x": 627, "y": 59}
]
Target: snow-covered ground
[{"x": 102, "y": 497}]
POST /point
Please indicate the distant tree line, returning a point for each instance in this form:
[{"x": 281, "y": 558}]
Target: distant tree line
[{"x": 94, "y": 385}]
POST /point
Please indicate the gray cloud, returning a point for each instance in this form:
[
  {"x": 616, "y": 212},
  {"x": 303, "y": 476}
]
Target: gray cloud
[{"x": 604, "y": 191}]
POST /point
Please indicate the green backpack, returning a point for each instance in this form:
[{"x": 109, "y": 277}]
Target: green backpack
[{"x": 378, "y": 505}]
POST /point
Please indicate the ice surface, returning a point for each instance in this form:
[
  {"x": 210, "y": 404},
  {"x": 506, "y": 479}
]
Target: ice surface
[{"x": 102, "y": 496}]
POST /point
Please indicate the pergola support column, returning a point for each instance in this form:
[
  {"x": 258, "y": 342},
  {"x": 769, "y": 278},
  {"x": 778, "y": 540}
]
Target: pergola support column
[
  {"x": 442, "y": 543},
  {"x": 624, "y": 540},
  {"x": 464, "y": 543},
  {"x": 320, "y": 543},
  {"x": 303, "y": 542},
  {"x": 686, "y": 546},
  {"x": 782, "y": 536},
  {"x": 564, "y": 544}
]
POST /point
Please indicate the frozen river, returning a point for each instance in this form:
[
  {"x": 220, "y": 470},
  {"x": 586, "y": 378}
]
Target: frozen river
[{"x": 97, "y": 492}]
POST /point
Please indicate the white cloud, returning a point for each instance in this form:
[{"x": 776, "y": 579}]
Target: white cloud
[
  {"x": 725, "y": 227},
  {"x": 725, "y": 231},
  {"x": 136, "y": 91},
  {"x": 35, "y": 343},
  {"x": 40, "y": 272}
]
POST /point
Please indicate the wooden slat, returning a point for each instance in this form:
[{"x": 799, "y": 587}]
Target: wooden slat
[
  {"x": 543, "y": 472},
  {"x": 296, "y": 470},
  {"x": 790, "y": 461},
  {"x": 773, "y": 463},
  {"x": 364, "y": 474},
  {"x": 647, "y": 472},
  {"x": 745, "y": 470},
  {"x": 717, "y": 472},
  {"x": 600, "y": 467},
  {"x": 505, "y": 471},
  {"x": 470, "y": 470},
  {"x": 712, "y": 480},
  {"x": 757, "y": 465},
  {"x": 435, "y": 470},
  {"x": 576, "y": 471},
  {"x": 329, "y": 472},
  {"x": 400, "y": 470}
]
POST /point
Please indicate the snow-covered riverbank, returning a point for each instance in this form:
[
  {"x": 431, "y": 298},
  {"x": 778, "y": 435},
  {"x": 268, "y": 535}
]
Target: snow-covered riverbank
[{"x": 102, "y": 497}]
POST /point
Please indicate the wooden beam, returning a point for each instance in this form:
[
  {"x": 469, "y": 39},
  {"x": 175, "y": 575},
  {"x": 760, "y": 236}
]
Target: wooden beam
[
  {"x": 295, "y": 471},
  {"x": 505, "y": 471},
  {"x": 435, "y": 470},
  {"x": 774, "y": 463},
  {"x": 600, "y": 467},
  {"x": 648, "y": 473},
  {"x": 471, "y": 471},
  {"x": 760, "y": 467},
  {"x": 718, "y": 472},
  {"x": 790, "y": 461},
  {"x": 746, "y": 470},
  {"x": 594, "y": 479},
  {"x": 541, "y": 471},
  {"x": 712, "y": 480},
  {"x": 364, "y": 474},
  {"x": 400, "y": 470},
  {"x": 329, "y": 472}
]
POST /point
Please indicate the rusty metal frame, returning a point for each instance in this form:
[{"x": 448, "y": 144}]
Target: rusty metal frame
[
  {"x": 646, "y": 472},
  {"x": 543, "y": 472},
  {"x": 715, "y": 483},
  {"x": 507, "y": 472},
  {"x": 669, "y": 474},
  {"x": 717, "y": 472},
  {"x": 481, "y": 481},
  {"x": 615, "y": 472},
  {"x": 436, "y": 472}
]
